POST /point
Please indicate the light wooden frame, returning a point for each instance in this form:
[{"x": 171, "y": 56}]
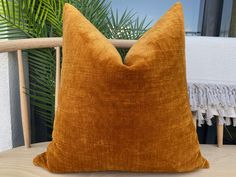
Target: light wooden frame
[{"x": 35, "y": 43}]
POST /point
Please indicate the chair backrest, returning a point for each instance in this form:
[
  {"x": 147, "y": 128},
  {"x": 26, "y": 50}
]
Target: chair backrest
[{"x": 36, "y": 43}]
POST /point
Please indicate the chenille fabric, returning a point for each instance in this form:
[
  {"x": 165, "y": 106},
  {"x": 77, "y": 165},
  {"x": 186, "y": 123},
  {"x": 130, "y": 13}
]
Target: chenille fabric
[{"x": 113, "y": 116}]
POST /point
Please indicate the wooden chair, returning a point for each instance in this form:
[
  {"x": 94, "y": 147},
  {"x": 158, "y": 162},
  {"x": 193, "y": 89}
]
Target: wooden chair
[{"x": 18, "y": 161}]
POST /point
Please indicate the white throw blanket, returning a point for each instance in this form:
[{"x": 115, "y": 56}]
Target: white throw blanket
[{"x": 211, "y": 75}]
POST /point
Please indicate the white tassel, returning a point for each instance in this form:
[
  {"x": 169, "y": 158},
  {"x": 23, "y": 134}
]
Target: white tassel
[
  {"x": 227, "y": 121},
  {"x": 209, "y": 122},
  {"x": 200, "y": 118},
  {"x": 209, "y": 116},
  {"x": 234, "y": 122}
]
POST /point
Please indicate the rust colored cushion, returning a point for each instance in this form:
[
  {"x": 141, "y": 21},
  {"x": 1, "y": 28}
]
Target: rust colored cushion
[{"x": 124, "y": 117}]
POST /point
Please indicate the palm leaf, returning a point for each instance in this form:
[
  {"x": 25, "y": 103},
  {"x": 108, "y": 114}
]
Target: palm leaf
[{"x": 20, "y": 19}]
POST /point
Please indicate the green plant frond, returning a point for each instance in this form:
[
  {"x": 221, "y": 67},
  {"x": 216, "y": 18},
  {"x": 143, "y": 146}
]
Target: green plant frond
[
  {"x": 41, "y": 99},
  {"x": 41, "y": 88},
  {"x": 128, "y": 26},
  {"x": 47, "y": 118},
  {"x": 42, "y": 94},
  {"x": 42, "y": 76},
  {"x": 96, "y": 11},
  {"x": 23, "y": 16},
  {"x": 42, "y": 53},
  {"x": 54, "y": 14},
  {"x": 45, "y": 107},
  {"x": 40, "y": 65},
  {"x": 47, "y": 114}
]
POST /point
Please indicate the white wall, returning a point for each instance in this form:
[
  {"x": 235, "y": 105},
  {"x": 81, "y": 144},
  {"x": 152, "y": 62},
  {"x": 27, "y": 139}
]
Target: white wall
[
  {"x": 10, "y": 119},
  {"x": 5, "y": 115}
]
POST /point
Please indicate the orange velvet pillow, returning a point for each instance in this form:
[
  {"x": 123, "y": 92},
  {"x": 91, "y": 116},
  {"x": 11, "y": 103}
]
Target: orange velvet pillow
[{"x": 124, "y": 117}]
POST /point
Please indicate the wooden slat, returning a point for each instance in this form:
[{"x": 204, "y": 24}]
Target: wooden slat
[
  {"x": 34, "y": 43},
  {"x": 23, "y": 100},
  {"x": 58, "y": 69}
]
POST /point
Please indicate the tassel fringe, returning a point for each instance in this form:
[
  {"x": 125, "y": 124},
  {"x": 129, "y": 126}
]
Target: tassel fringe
[{"x": 209, "y": 100}]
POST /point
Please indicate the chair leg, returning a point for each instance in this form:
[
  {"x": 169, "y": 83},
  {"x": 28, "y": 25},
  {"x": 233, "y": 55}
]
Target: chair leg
[{"x": 220, "y": 132}]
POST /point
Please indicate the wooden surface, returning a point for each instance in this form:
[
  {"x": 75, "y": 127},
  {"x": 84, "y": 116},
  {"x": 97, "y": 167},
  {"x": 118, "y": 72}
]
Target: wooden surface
[
  {"x": 33, "y": 43},
  {"x": 18, "y": 162}
]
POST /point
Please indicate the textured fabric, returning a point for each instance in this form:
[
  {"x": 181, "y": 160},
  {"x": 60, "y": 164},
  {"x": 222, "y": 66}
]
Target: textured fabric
[{"x": 124, "y": 117}]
